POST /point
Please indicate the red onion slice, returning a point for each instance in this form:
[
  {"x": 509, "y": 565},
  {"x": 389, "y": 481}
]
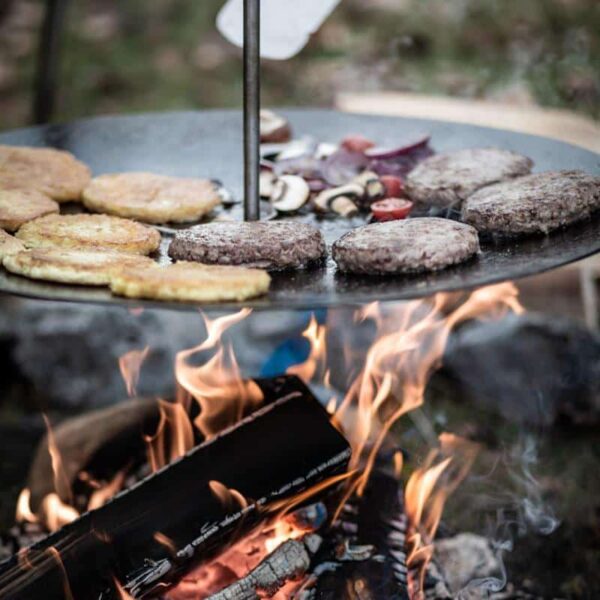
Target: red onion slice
[{"x": 382, "y": 153}]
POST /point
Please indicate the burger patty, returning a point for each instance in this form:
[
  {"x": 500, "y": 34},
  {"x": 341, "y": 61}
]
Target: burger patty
[
  {"x": 406, "y": 246},
  {"x": 267, "y": 245},
  {"x": 536, "y": 203},
  {"x": 445, "y": 180}
]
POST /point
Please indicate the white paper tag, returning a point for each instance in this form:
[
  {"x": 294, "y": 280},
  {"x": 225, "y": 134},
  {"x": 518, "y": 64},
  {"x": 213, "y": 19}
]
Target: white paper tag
[{"x": 286, "y": 25}]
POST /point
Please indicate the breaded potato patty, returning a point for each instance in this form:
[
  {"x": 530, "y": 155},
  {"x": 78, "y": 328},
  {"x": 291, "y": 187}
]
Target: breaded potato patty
[
  {"x": 80, "y": 267},
  {"x": 90, "y": 231},
  {"x": 151, "y": 198},
  {"x": 191, "y": 282},
  {"x": 19, "y": 206},
  {"x": 56, "y": 173},
  {"x": 9, "y": 244}
]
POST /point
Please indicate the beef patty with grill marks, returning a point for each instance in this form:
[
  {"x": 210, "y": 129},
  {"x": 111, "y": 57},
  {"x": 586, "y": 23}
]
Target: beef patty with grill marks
[{"x": 269, "y": 245}]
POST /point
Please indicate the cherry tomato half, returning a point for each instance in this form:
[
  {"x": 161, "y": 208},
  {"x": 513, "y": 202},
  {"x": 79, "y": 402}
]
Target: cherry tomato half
[
  {"x": 393, "y": 186},
  {"x": 357, "y": 143},
  {"x": 391, "y": 209}
]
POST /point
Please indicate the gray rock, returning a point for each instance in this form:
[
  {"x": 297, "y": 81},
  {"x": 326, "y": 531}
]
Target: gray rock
[
  {"x": 531, "y": 369},
  {"x": 466, "y": 558},
  {"x": 69, "y": 353}
]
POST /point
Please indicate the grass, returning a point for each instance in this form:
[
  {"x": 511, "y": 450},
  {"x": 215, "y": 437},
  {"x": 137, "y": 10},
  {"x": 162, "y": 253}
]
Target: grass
[{"x": 167, "y": 55}]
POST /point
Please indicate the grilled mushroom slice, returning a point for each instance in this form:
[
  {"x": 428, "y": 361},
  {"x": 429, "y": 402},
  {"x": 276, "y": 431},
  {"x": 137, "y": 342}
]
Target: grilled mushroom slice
[
  {"x": 342, "y": 200},
  {"x": 290, "y": 192},
  {"x": 273, "y": 128},
  {"x": 266, "y": 183},
  {"x": 374, "y": 188}
]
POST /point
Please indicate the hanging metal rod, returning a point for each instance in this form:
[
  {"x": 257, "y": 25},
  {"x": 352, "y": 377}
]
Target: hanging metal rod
[{"x": 251, "y": 109}]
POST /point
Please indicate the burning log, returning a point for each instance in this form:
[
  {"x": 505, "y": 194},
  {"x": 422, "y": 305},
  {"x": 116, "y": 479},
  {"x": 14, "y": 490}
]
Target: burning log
[
  {"x": 281, "y": 449},
  {"x": 376, "y": 521},
  {"x": 102, "y": 436},
  {"x": 288, "y": 562}
]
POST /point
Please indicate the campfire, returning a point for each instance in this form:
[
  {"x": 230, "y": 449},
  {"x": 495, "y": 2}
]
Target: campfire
[{"x": 253, "y": 488}]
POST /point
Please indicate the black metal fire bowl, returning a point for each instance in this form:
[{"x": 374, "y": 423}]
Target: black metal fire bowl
[{"x": 209, "y": 144}]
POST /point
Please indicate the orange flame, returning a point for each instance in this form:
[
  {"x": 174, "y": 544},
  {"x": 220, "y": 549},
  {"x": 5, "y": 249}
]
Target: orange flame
[
  {"x": 314, "y": 366},
  {"x": 61, "y": 481},
  {"x": 216, "y": 385},
  {"x": 55, "y": 554},
  {"x": 409, "y": 345},
  {"x": 165, "y": 541},
  {"x": 410, "y": 342},
  {"x": 55, "y": 513},
  {"x": 130, "y": 365},
  {"x": 104, "y": 493},
  {"x": 227, "y": 496},
  {"x": 173, "y": 437},
  {"x": 426, "y": 493},
  {"x": 23, "y": 512}
]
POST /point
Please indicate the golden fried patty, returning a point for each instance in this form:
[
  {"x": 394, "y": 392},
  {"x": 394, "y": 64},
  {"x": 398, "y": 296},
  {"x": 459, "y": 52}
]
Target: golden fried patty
[
  {"x": 56, "y": 173},
  {"x": 191, "y": 282},
  {"x": 19, "y": 206},
  {"x": 81, "y": 267},
  {"x": 90, "y": 231},
  {"x": 151, "y": 198},
  {"x": 9, "y": 244}
]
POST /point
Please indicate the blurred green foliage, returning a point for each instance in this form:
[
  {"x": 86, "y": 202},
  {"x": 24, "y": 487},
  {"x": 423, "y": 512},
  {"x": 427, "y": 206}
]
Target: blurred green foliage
[{"x": 136, "y": 55}]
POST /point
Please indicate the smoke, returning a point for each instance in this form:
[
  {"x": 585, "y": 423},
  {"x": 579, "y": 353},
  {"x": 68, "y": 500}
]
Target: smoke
[
  {"x": 520, "y": 510},
  {"x": 534, "y": 513}
]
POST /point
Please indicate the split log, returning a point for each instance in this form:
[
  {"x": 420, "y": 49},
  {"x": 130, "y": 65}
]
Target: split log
[
  {"x": 278, "y": 451},
  {"x": 288, "y": 562},
  {"x": 106, "y": 440},
  {"x": 105, "y": 436}
]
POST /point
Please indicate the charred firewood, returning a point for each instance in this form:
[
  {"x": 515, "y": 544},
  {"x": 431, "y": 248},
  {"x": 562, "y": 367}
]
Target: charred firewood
[
  {"x": 112, "y": 432},
  {"x": 278, "y": 451},
  {"x": 290, "y": 561},
  {"x": 376, "y": 521},
  {"x": 435, "y": 586},
  {"x": 106, "y": 440}
]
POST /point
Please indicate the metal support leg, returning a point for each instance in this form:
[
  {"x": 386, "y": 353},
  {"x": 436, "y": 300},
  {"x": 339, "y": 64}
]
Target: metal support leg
[
  {"x": 251, "y": 109},
  {"x": 48, "y": 60}
]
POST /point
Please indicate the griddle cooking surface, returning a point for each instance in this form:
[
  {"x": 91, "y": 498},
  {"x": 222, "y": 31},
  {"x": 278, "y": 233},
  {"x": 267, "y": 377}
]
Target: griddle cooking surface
[{"x": 209, "y": 144}]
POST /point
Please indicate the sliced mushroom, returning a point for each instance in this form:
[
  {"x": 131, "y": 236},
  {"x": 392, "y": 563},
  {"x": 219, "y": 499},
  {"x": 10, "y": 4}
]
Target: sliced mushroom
[
  {"x": 266, "y": 183},
  {"x": 290, "y": 193},
  {"x": 342, "y": 200},
  {"x": 273, "y": 128},
  {"x": 374, "y": 188},
  {"x": 227, "y": 198},
  {"x": 344, "y": 206},
  {"x": 324, "y": 150}
]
